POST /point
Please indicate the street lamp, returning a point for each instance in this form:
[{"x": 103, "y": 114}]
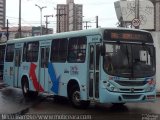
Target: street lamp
[
  {"x": 40, "y": 14},
  {"x": 19, "y": 29}
]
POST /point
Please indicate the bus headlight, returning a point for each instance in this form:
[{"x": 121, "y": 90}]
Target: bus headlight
[
  {"x": 150, "y": 88},
  {"x": 110, "y": 87},
  {"x": 151, "y": 85}
]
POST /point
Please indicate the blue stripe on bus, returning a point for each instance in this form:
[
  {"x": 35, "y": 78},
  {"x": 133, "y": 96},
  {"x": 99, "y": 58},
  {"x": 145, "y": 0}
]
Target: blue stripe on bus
[{"x": 54, "y": 79}]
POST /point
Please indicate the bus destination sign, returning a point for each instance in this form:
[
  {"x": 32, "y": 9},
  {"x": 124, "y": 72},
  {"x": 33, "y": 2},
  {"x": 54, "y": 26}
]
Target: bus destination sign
[
  {"x": 123, "y": 35},
  {"x": 128, "y": 36}
]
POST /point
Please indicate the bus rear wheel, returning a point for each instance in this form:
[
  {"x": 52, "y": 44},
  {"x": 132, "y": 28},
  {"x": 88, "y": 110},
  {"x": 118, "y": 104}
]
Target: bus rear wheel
[
  {"x": 25, "y": 87},
  {"x": 75, "y": 98}
]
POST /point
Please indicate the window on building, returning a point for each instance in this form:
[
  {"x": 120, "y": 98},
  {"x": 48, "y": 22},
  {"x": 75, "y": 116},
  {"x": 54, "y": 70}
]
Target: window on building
[
  {"x": 32, "y": 51},
  {"x": 59, "y": 50},
  {"x": 77, "y": 49},
  {"x": 10, "y": 53}
]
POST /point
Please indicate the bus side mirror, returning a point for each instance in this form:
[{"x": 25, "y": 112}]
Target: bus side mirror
[{"x": 103, "y": 50}]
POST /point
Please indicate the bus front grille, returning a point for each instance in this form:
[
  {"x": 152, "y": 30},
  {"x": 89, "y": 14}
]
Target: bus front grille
[
  {"x": 131, "y": 90},
  {"x": 131, "y": 96},
  {"x": 131, "y": 83}
]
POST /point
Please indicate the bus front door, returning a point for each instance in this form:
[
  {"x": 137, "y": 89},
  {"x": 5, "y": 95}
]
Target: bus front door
[
  {"x": 94, "y": 61},
  {"x": 43, "y": 76},
  {"x": 18, "y": 52}
]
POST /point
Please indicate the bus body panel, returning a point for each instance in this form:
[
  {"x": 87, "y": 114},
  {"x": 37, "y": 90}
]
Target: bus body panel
[
  {"x": 113, "y": 97},
  {"x": 2, "y": 55},
  {"x": 138, "y": 95},
  {"x": 9, "y": 73},
  {"x": 26, "y": 67},
  {"x": 63, "y": 73}
]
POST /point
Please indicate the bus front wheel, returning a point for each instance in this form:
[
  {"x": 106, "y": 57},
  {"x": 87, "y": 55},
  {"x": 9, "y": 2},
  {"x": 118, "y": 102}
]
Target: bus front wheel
[{"x": 75, "y": 98}]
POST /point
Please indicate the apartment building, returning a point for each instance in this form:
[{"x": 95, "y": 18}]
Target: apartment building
[
  {"x": 69, "y": 16},
  {"x": 2, "y": 13}
]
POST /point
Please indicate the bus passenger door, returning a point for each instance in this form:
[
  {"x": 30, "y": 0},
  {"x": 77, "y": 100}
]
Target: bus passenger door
[
  {"x": 18, "y": 52},
  {"x": 44, "y": 59},
  {"x": 94, "y": 61}
]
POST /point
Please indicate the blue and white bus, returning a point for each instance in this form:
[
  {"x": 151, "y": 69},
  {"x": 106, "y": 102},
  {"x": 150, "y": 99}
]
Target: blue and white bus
[{"x": 104, "y": 65}]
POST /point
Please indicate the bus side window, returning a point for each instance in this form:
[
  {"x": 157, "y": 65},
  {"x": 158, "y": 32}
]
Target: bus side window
[
  {"x": 72, "y": 50},
  {"x": 24, "y": 52},
  {"x": 54, "y": 50},
  {"x": 97, "y": 56},
  {"x": 10, "y": 53},
  {"x": 77, "y": 49},
  {"x": 32, "y": 51},
  {"x": 91, "y": 66},
  {"x": 59, "y": 50},
  {"x": 63, "y": 50}
]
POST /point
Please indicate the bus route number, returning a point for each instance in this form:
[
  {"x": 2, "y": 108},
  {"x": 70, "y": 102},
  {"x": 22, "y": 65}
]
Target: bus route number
[{"x": 95, "y": 39}]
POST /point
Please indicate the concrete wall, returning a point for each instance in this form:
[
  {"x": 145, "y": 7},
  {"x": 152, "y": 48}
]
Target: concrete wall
[{"x": 156, "y": 37}]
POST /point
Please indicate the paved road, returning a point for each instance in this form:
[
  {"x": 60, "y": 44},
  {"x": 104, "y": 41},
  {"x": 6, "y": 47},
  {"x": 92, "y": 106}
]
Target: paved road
[
  {"x": 109, "y": 112},
  {"x": 12, "y": 101}
]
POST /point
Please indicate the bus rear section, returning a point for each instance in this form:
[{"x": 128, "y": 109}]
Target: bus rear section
[
  {"x": 129, "y": 67},
  {"x": 2, "y": 52}
]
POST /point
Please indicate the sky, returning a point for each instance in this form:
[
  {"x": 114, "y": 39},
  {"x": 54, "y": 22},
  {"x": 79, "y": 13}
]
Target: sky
[{"x": 104, "y": 9}]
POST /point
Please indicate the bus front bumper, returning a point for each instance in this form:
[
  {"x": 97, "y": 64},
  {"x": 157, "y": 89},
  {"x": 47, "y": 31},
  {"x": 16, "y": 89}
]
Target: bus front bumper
[{"x": 116, "y": 97}]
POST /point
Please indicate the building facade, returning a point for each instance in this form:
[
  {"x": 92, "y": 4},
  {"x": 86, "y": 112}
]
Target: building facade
[
  {"x": 157, "y": 14},
  {"x": 27, "y": 31},
  {"x": 2, "y": 13},
  {"x": 69, "y": 16},
  {"x": 131, "y": 14},
  {"x": 156, "y": 11}
]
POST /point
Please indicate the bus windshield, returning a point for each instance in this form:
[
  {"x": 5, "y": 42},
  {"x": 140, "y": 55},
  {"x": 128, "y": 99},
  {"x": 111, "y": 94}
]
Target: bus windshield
[{"x": 129, "y": 60}]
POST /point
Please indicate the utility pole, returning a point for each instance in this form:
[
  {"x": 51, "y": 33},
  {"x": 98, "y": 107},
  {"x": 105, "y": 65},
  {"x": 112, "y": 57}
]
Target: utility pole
[
  {"x": 7, "y": 30},
  {"x": 47, "y": 22},
  {"x": 19, "y": 29},
  {"x": 137, "y": 11},
  {"x": 87, "y": 24},
  {"x": 96, "y": 21}
]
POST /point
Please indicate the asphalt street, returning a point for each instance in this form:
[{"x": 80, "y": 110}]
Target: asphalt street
[{"x": 12, "y": 102}]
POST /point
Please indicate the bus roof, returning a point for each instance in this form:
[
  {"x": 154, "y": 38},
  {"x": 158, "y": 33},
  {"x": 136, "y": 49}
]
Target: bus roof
[{"x": 69, "y": 34}]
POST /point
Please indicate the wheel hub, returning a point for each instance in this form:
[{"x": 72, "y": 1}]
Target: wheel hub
[
  {"x": 76, "y": 97},
  {"x": 25, "y": 88}
]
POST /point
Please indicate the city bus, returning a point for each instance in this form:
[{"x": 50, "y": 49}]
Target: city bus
[
  {"x": 103, "y": 65},
  {"x": 2, "y": 52}
]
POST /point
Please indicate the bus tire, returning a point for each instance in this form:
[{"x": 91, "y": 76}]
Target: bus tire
[
  {"x": 75, "y": 98},
  {"x": 118, "y": 104},
  {"x": 25, "y": 87}
]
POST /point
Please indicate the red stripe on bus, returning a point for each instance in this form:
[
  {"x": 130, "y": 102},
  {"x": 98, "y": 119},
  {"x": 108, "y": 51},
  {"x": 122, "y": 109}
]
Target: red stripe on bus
[{"x": 33, "y": 77}]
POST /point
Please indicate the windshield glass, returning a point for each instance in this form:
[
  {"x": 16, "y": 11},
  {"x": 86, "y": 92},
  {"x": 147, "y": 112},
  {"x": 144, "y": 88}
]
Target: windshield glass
[{"x": 128, "y": 60}]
